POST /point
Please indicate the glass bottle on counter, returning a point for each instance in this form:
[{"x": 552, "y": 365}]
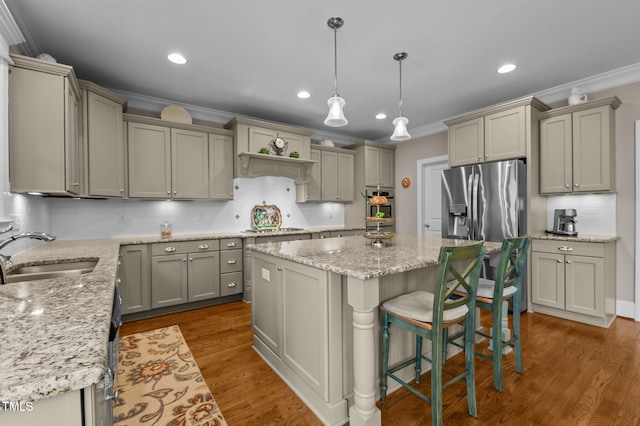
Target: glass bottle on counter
[{"x": 166, "y": 230}]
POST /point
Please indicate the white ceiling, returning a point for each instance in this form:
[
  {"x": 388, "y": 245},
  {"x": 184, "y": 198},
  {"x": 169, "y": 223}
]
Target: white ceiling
[{"x": 251, "y": 57}]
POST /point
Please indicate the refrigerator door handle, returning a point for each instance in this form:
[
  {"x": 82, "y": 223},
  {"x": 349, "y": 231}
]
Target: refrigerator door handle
[
  {"x": 470, "y": 198},
  {"x": 476, "y": 220}
]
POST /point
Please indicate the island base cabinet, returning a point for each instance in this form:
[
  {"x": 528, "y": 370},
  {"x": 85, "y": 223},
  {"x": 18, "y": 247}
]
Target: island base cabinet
[
  {"x": 297, "y": 324},
  {"x": 579, "y": 286}
]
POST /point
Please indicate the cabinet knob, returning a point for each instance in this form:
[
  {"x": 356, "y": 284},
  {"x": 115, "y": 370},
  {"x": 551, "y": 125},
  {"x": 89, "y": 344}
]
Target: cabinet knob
[
  {"x": 280, "y": 268},
  {"x": 232, "y": 285},
  {"x": 118, "y": 280},
  {"x": 479, "y": 157},
  {"x": 568, "y": 261},
  {"x": 567, "y": 186},
  {"x": 122, "y": 190},
  {"x": 203, "y": 246},
  {"x": 576, "y": 185},
  {"x": 559, "y": 261},
  {"x": 169, "y": 249},
  {"x": 486, "y": 156},
  {"x": 168, "y": 192},
  {"x": 231, "y": 261},
  {"x": 185, "y": 259},
  {"x": 175, "y": 192},
  {"x": 191, "y": 259}
]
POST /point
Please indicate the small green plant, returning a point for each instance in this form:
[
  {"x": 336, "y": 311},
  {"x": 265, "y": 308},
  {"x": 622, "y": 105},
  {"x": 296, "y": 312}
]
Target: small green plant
[
  {"x": 294, "y": 154},
  {"x": 263, "y": 151}
]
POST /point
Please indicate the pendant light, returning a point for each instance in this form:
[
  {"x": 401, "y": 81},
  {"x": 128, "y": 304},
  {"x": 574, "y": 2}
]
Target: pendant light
[
  {"x": 400, "y": 132},
  {"x": 335, "y": 118}
]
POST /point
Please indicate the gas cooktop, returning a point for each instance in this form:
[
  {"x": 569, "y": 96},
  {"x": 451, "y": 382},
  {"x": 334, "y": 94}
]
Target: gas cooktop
[{"x": 273, "y": 230}]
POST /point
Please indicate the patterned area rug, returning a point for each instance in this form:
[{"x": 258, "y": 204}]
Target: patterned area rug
[{"x": 159, "y": 383}]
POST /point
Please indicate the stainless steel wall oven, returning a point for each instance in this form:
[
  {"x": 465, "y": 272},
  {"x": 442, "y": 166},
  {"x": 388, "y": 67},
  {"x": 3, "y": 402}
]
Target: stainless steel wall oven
[{"x": 388, "y": 210}]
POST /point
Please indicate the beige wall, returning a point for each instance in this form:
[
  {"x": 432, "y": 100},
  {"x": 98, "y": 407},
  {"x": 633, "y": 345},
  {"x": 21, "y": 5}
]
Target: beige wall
[{"x": 408, "y": 153}]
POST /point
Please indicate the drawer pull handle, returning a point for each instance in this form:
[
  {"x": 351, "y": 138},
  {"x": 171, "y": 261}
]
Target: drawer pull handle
[
  {"x": 231, "y": 261},
  {"x": 203, "y": 246},
  {"x": 169, "y": 249},
  {"x": 231, "y": 244},
  {"x": 565, "y": 248},
  {"x": 231, "y": 285}
]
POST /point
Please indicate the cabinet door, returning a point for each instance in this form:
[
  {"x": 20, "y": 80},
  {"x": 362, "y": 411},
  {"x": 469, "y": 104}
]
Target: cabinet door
[
  {"x": 371, "y": 166},
  {"x": 313, "y": 188},
  {"x": 266, "y": 308},
  {"x": 386, "y": 167},
  {"x": 149, "y": 149},
  {"x": 260, "y": 138},
  {"x": 135, "y": 286},
  {"x": 329, "y": 176},
  {"x": 73, "y": 153},
  {"x": 220, "y": 167},
  {"x": 548, "y": 279},
  {"x": 204, "y": 276},
  {"x": 585, "y": 285},
  {"x": 105, "y": 147},
  {"x": 169, "y": 284},
  {"x": 189, "y": 164},
  {"x": 592, "y": 150},
  {"x": 505, "y": 135},
  {"x": 466, "y": 142},
  {"x": 555, "y": 154},
  {"x": 305, "y": 349},
  {"x": 346, "y": 175}
]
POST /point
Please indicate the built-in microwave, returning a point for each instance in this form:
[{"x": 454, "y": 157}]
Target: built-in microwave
[{"x": 388, "y": 209}]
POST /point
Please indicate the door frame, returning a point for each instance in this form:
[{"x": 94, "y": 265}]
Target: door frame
[
  {"x": 419, "y": 188},
  {"x": 637, "y": 236}
]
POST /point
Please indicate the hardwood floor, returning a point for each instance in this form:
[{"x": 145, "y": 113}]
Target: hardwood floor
[{"x": 574, "y": 374}]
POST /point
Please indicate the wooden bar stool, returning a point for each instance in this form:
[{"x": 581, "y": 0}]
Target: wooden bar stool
[
  {"x": 490, "y": 296},
  {"x": 427, "y": 315}
]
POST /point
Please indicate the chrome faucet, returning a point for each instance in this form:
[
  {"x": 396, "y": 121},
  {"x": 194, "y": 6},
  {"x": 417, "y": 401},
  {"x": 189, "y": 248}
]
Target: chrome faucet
[{"x": 33, "y": 235}]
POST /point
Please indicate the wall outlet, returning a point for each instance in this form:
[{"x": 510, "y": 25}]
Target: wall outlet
[{"x": 265, "y": 275}]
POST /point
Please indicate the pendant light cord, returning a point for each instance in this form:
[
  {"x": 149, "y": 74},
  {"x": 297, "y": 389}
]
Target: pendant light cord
[
  {"x": 400, "y": 103},
  {"x": 335, "y": 62}
]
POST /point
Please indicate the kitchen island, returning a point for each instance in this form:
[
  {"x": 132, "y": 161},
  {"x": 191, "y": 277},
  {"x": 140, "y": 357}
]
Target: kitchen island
[{"x": 314, "y": 315}]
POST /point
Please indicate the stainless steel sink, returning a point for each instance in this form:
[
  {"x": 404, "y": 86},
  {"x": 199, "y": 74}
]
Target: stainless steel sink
[{"x": 48, "y": 271}]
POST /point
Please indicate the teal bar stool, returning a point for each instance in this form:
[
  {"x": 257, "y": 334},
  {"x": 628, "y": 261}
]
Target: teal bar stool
[
  {"x": 427, "y": 315},
  {"x": 490, "y": 297}
]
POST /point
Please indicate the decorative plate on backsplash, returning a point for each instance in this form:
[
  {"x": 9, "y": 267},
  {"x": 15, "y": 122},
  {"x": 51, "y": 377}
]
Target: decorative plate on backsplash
[{"x": 266, "y": 217}]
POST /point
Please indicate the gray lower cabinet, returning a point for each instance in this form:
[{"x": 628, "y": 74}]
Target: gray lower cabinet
[
  {"x": 574, "y": 280},
  {"x": 134, "y": 283},
  {"x": 231, "y": 265},
  {"x": 184, "y": 271}
]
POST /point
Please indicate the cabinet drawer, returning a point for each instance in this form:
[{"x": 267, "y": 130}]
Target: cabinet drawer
[
  {"x": 230, "y": 243},
  {"x": 230, "y": 283},
  {"x": 230, "y": 261},
  {"x": 568, "y": 247},
  {"x": 176, "y": 247},
  {"x": 282, "y": 238}
]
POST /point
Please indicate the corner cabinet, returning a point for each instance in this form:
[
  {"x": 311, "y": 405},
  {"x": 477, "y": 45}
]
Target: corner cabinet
[
  {"x": 577, "y": 148},
  {"x": 170, "y": 160},
  {"x": 45, "y": 152},
  {"x": 500, "y": 132},
  {"x": 574, "y": 280},
  {"x": 103, "y": 141}
]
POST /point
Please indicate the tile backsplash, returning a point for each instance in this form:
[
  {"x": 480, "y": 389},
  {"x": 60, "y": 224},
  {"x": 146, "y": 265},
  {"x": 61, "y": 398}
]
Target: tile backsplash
[
  {"x": 72, "y": 219},
  {"x": 596, "y": 213}
]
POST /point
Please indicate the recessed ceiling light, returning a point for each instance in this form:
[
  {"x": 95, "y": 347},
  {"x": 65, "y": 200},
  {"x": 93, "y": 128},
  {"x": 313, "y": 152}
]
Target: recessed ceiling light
[
  {"x": 177, "y": 58},
  {"x": 303, "y": 94},
  {"x": 506, "y": 68},
  {"x": 381, "y": 116}
]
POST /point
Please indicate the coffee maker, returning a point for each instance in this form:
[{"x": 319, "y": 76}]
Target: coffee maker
[{"x": 564, "y": 222}]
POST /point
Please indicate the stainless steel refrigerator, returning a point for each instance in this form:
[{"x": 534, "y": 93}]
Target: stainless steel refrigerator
[{"x": 486, "y": 202}]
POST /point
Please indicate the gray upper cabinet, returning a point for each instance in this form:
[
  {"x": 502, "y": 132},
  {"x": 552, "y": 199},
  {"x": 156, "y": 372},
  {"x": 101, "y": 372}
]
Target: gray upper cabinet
[
  {"x": 168, "y": 160},
  {"x": 378, "y": 167},
  {"x": 577, "y": 148},
  {"x": 103, "y": 141},
  {"x": 220, "y": 167},
  {"x": 45, "y": 152},
  {"x": 337, "y": 176},
  {"x": 495, "y": 133}
]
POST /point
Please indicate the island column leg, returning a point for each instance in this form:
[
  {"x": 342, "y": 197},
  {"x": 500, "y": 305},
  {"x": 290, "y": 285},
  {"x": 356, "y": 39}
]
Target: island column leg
[{"x": 363, "y": 296}]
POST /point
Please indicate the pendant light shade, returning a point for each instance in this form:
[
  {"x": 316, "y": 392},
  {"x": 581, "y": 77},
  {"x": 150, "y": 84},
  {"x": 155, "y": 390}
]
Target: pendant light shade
[
  {"x": 335, "y": 118},
  {"x": 400, "y": 132}
]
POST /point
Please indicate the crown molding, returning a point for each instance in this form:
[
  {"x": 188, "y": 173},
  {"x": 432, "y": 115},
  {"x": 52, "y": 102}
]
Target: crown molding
[{"x": 9, "y": 32}]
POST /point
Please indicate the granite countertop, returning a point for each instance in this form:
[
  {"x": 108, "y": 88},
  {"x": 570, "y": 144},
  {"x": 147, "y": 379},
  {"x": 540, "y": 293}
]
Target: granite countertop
[
  {"x": 54, "y": 332},
  {"x": 582, "y": 238},
  {"x": 355, "y": 257}
]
